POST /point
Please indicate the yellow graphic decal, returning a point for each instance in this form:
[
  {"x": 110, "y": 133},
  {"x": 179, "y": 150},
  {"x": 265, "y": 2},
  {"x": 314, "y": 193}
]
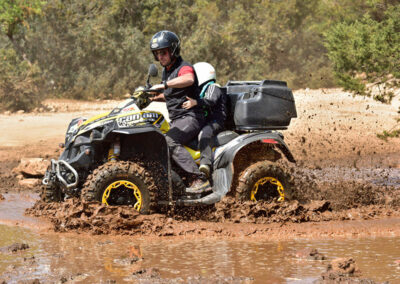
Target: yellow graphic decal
[
  {"x": 139, "y": 114},
  {"x": 164, "y": 128}
]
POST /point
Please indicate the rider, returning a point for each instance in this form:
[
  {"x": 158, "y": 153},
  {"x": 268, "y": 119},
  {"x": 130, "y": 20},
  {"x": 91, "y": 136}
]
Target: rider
[
  {"x": 179, "y": 81},
  {"x": 213, "y": 101}
]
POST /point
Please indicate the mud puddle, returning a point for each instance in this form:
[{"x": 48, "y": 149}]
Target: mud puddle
[
  {"x": 12, "y": 209},
  {"x": 223, "y": 253},
  {"x": 111, "y": 259}
]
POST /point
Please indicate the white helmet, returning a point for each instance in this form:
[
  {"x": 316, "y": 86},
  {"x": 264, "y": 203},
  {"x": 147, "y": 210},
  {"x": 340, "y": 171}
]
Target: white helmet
[{"x": 205, "y": 72}]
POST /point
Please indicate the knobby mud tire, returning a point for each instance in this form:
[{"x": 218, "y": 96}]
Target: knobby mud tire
[
  {"x": 259, "y": 170},
  {"x": 249, "y": 155},
  {"x": 51, "y": 194},
  {"x": 104, "y": 175}
]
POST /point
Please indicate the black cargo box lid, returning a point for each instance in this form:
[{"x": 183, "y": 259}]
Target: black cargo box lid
[
  {"x": 276, "y": 89},
  {"x": 271, "y": 87},
  {"x": 256, "y": 83}
]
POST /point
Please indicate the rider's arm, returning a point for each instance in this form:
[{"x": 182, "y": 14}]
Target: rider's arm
[
  {"x": 211, "y": 97},
  {"x": 185, "y": 78},
  {"x": 183, "y": 81}
]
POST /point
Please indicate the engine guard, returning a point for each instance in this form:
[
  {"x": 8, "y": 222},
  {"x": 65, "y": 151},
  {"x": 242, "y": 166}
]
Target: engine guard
[{"x": 54, "y": 174}]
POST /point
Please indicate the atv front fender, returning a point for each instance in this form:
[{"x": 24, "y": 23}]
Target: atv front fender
[{"x": 148, "y": 142}]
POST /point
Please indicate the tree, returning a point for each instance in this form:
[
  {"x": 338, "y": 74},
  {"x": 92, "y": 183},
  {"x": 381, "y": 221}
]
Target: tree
[
  {"x": 14, "y": 15},
  {"x": 366, "y": 56},
  {"x": 366, "y": 53},
  {"x": 19, "y": 78}
]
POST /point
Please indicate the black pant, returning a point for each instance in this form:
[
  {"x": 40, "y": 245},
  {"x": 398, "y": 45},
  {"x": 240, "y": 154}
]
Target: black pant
[
  {"x": 212, "y": 128},
  {"x": 183, "y": 130}
]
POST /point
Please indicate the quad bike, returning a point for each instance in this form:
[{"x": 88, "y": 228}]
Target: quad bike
[{"x": 121, "y": 157}]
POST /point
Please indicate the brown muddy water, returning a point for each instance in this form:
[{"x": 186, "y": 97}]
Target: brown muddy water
[{"x": 64, "y": 257}]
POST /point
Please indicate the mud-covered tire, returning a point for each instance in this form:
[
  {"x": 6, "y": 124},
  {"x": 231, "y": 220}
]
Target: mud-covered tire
[
  {"x": 138, "y": 176},
  {"x": 51, "y": 194},
  {"x": 264, "y": 171}
]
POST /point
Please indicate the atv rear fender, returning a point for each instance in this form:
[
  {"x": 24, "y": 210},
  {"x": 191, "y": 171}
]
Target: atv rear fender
[
  {"x": 225, "y": 155},
  {"x": 223, "y": 163}
]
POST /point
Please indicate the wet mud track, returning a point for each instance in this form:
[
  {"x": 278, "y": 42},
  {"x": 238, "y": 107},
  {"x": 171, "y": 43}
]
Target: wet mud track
[
  {"x": 319, "y": 200},
  {"x": 347, "y": 193},
  {"x": 71, "y": 258},
  {"x": 184, "y": 245}
]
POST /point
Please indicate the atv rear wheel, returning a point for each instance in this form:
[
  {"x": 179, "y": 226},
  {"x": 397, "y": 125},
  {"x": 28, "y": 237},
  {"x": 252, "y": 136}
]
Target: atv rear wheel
[
  {"x": 51, "y": 194},
  {"x": 122, "y": 183},
  {"x": 264, "y": 180}
]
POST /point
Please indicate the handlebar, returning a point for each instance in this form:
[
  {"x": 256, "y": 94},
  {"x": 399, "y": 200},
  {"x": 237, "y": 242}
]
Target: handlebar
[
  {"x": 153, "y": 91},
  {"x": 142, "y": 96},
  {"x": 145, "y": 92}
]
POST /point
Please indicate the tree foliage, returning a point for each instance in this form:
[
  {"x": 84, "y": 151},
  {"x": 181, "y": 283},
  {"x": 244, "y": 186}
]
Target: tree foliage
[
  {"x": 100, "y": 49},
  {"x": 16, "y": 13},
  {"x": 19, "y": 82},
  {"x": 366, "y": 53}
]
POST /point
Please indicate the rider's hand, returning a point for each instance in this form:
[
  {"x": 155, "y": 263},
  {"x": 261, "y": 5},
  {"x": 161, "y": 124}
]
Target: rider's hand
[
  {"x": 159, "y": 97},
  {"x": 158, "y": 87},
  {"x": 189, "y": 103}
]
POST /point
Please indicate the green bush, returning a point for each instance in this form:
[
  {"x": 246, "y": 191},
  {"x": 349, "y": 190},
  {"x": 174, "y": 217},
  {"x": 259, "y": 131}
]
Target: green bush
[
  {"x": 19, "y": 83},
  {"x": 89, "y": 49},
  {"x": 366, "y": 54}
]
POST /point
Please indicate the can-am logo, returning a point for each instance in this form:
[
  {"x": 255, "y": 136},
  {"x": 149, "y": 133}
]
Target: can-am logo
[{"x": 133, "y": 119}]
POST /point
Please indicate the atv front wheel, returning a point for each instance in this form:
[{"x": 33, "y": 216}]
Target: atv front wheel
[
  {"x": 121, "y": 183},
  {"x": 51, "y": 194},
  {"x": 264, "y": 180}
]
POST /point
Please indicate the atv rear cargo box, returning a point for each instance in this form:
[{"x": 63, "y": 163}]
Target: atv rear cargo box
[{"x": 260, "y": 105}]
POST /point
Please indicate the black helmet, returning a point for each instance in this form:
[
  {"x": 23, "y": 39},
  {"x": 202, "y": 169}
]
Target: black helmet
[{"x": 165, "y": 39}]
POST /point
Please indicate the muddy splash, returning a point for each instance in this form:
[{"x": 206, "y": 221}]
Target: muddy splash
[
  {"x": 96, "y": 218},
  {"x": 320, "y": 195}
]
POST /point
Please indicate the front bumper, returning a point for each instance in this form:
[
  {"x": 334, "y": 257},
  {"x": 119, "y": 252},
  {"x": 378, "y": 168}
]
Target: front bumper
[{"x": 63, "y": 173}]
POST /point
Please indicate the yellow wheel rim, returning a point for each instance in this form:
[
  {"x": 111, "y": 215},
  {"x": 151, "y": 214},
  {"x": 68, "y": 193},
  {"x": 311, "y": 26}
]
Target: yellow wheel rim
[
  {"x": 271, "y": 180},
  {"x": 127, "y": 184}
]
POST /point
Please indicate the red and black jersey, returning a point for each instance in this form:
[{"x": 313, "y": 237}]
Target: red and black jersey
[{"x": 175, "y": 97}]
